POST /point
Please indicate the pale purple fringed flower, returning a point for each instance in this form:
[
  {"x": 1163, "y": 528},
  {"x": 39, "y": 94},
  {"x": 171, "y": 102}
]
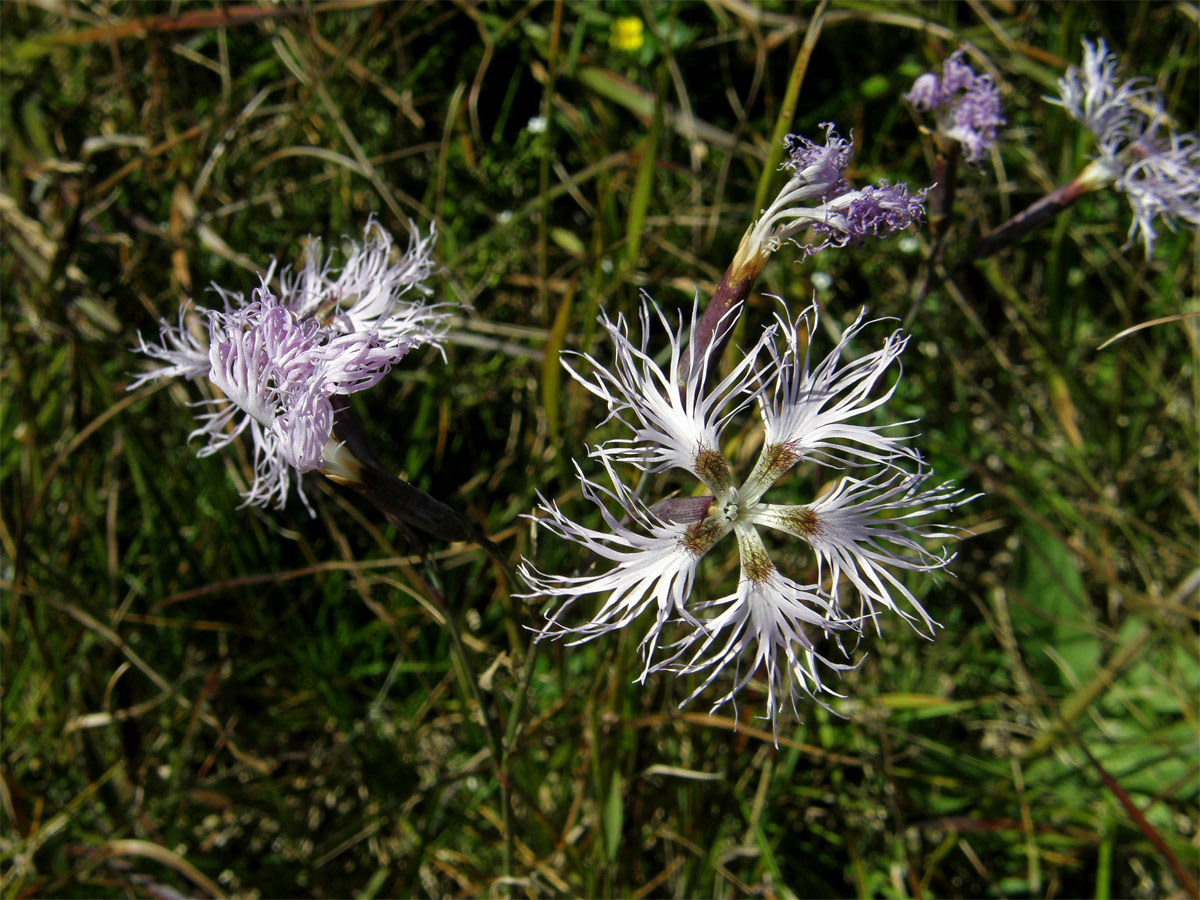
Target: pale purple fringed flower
[
  {"x": 818, "y": 197},
  {"x": 370, "y": 293},
  {"x": 1157, "y": 169},
  {"x": 966, "y": 105},
  {"x": 863, "y": 530},
  {"x": 278, "y": 360},
  {"x": 818, "y": 169}
]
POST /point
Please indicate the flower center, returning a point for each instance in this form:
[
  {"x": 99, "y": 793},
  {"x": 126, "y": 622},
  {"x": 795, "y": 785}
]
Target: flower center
[{"x": 732, "y": 510}]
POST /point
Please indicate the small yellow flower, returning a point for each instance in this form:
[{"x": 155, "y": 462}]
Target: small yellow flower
[{"x": 626, "y": 33}]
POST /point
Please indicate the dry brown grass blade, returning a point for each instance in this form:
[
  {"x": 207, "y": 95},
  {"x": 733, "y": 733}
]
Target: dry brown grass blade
[
  {"x": 725, "y": 723},
  {"x": 183, "y": 210},
  {"x": 28, "y": 239},
  {"x": 91, "y": 623},
  {"x": 316, "y": 569},
  {"x": 91, "y": 428},
  {"x": 148, "y": 850},
  {"x": 1132, "y": 329},
  {"x": 104, "y": 719},
  {"x": 108, "y": 183},
  {"x": 193, "y": 20},
  {"x": 667, "y": 871}
]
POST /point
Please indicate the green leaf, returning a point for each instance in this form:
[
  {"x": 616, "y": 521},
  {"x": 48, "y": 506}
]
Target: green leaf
[
  {"x": 614, "y": 811},
  {"x": 568, "y": 240},
  {"x": 923, "y": 706},
  {"x": 645, "y": 179},
  {"x": 1050, "y": 611},
  {"x": 551, "y": 370},
  {"x": 875, "y": 86}
]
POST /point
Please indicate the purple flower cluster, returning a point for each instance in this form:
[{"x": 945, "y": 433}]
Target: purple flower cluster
[
  {"x": 823, "y": 165},
  {"x": 279, "y": 359},
  {"x": 877, "y": 211},
  {"x": 967, "y": 105},
  {"x": 818, "y": 197},
  {"x": 1156, "y": 168}
]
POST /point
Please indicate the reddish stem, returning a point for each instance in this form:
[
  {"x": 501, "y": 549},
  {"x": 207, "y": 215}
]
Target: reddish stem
[
  {"x": 940, "y": 199},
  {"x": 1027, "y": 221},
  {"x": 716, "y": 323}
]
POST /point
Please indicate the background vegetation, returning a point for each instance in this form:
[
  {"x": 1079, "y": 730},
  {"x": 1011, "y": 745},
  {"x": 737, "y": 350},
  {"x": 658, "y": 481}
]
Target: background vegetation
[{"x": 203, "y": 699}]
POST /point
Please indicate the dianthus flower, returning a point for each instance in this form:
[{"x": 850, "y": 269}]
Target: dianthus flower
[
  {"x": 860, "y": 531},
  {"x": 966, "y": 105},
  {"x": 1157, "y": 169},
  {"x": 279, "y": 361},
  {"x": 818, "y": 197}
]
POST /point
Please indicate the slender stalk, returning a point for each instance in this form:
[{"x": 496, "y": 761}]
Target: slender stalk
[
  {"x": 940, "y": 208},
  {"x": 1182, "y": 875},
  {"x": 518, "y": 707},
  {"x": 510, "y": 736},
  {"x": 350, "y": 460},
  {"x": 730, "y": 294},
  {"x": 490, "y": 727},
  {"x": 787, "y": 111},
  {"x": 411, "y": 505},
  {"x": 724, "y": 307},
  {"x": 1063, "y": 727},
  {"x": 1027, "y": 221},
  {"x": 1023, "y": 223},
  {"x": 544, "y": 166},
  {"x": 940, "y": 199}
]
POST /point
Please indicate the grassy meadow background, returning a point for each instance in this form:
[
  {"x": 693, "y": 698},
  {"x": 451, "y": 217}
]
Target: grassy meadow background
[{"x": 205, "y": 700}]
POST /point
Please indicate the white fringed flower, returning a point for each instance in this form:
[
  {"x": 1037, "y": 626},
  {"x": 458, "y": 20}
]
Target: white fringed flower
[
  {"x": 1157, "y": 169},
  {"x": 863, "y": 530},
  {"x": 673, "y": 426},
  {"x": 808, "y": 413},
  {"x": 770, "y": 623},
  {"x": 278, "y": 360},
  {"x": 183, "y": 354},
  {"x": 652, "y": 565}
]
